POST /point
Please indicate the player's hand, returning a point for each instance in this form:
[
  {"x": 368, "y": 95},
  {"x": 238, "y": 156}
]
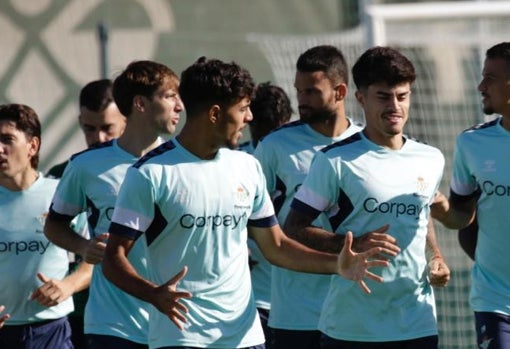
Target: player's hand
[
  {"x": 377, "y": 238},
  {"x": 94, "y": 252},
  {"x": 439, "y": 206},
  {"x": 52, "y": 292},
  {"x": 354, "y": 266},
  {"x": 4, "y": 317},
  {"x": 439, "y": 273},
  {"x": 166, "y": 299}
]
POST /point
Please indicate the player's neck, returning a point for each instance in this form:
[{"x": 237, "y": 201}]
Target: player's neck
[
  {"x": 138, "y": 143},
  {"x": 331, "y": 127},
  {"x": 198, "y": 141},
  {"x": 505, "y": 122},
  {"x": 20, "y": 181}
]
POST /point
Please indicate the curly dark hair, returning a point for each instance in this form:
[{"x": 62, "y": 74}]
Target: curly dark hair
[
  {"x": 212, "y": 81},
  {"x": 271, "y": 108}
]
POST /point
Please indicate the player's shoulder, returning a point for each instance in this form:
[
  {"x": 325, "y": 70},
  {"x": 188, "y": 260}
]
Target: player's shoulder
[
  {"x": 92, "y": 153},
  {"x": 154, "y": 155},
  {"x": 288, "y": 128},
  {"x": 343, "y": 144},
  {"x": 481, "y": 128},
  {"x": 422, "y": 146}
]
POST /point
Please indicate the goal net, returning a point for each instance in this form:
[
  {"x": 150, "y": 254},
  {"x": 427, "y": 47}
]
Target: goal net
[{"x": 446, "y": 41}]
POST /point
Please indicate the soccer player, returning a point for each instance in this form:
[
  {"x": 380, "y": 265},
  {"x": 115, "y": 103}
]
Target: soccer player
[
  {"x": 100, "y": 121},
  {"x": 194, "y": 202},
  {"x": 271, "y": 108},
  {"x": 480, "y": 183},
  {"x": 377, "y": 178},
  {"x": 147, "y": 93},
  {"x": 321, "y": 81},
  {"x": 35, "y": 288}
]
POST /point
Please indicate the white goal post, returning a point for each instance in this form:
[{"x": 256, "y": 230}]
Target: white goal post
[{"x": 377, "y": 15}]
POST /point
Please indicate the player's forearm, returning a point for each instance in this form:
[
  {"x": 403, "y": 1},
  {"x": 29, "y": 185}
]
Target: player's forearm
[
  {"x": 317, "y": 239},
  {"x": 80, "y": 278},
  {"x": 299, "y": 227},
  {"x": 118, "y": 269},
  {"x": 61, "y": 234},
  {"x": 293, "y": 255}
]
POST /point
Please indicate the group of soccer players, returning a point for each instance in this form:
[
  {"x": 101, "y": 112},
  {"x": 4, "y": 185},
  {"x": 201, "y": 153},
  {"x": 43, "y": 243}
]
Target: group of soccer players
[{"x": 169, "y": 221}]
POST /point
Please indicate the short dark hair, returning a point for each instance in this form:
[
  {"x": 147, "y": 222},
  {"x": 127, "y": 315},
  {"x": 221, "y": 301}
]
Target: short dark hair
[
  {"x": 96, "y": 95},
  {"x": 382, "y": 64},
  {"x": 212, "y": 81},
  {"x": 26, "y": 120},
  {"x": 141, "y": 78},
  {"x": 325, "y": 58},
  {"x": 270, "y": 107},
  {"x": 501, "y": 50}
]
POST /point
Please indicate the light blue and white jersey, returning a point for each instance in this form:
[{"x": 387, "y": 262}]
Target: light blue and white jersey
[
  {"x": 364, "y": 186},
  {"x": 91, "y": 183},
  {"x": 25, "y": 251},
  {"x": 260, "y": 266},
  {"x": 194, "y": 213},
  {"x": 481, "y": 166},
  {"x": 285, "y": 155}
]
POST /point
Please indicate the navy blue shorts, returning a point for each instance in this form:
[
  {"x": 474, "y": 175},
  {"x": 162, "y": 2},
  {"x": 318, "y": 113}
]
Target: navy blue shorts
[
  {"x": 492, "y": 330},
  {"x": 44, "y": 334},
  {"x": 99, "y": 341},
  {"x": 430, "y": 342},
  {"x": 296, "y": 339}
]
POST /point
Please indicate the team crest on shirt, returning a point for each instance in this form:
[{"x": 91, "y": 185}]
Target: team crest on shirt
[
  {"x": 241, "y": 194},
  {"x": 421, "y": 187},
  {"x": 41, "y": 219},
  {"x": 489, "y": 166}
]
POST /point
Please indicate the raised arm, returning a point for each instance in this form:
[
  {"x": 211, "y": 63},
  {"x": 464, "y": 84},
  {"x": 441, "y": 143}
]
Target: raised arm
[
  {"x": 288, "y": 253},
  {"x": 298, "y": 226}
]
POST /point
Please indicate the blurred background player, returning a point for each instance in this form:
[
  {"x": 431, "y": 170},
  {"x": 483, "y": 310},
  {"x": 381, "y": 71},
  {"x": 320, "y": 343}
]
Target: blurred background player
[
  {"x": 100, "y": 121},
  {"x": 35, "y": 286},
  {"x": 99, "y": 118},
  {"x": 271, "y": 108},
  {"x": 480, "y": 186},
  {"x": 321, "y": 81}
]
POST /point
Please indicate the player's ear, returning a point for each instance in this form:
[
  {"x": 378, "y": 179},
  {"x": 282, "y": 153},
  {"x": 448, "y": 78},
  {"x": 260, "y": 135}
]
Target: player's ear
[
  {"x": 340, "y": 92},
  {"x": 139, "y": 103},
  {"x": 359, "y": 97},
  {"x": 214, "y": 113}
]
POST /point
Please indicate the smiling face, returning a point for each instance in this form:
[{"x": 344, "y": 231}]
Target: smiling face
[
  {"x": 495, "y": 87},
  {"x": 16, "y": 151},
  {"x": 386, "y": 111}
]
